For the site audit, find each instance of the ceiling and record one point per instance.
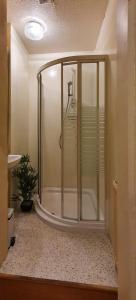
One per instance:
(73, 25)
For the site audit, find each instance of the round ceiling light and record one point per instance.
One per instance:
(34, 30)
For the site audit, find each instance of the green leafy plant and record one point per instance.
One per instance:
(27, 178)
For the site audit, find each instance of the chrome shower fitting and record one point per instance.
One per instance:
(70, 88)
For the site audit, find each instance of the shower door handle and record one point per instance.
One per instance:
(60, 141)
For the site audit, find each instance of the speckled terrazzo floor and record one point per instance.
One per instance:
(44, 252)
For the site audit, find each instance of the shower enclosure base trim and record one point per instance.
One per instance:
(51, 201)
(65, 224)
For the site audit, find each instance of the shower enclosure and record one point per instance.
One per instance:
(71, 140)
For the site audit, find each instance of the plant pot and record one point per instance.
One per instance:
(26, 205)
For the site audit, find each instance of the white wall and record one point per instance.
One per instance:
(107, 42)
(118, 35)
(19, 95)
(107, 39)
(126, 112)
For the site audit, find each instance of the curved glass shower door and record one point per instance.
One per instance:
(89, 136)
(69, 137)
(72, 138)
(50, 133)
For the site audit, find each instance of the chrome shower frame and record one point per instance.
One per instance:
(78, 60)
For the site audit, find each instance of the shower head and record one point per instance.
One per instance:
(70, 88)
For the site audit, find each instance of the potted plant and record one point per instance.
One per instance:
(27, 180)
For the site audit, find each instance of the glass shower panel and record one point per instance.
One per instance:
(70, 203)
(101, 141)
(50, 131)
(89, 142)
